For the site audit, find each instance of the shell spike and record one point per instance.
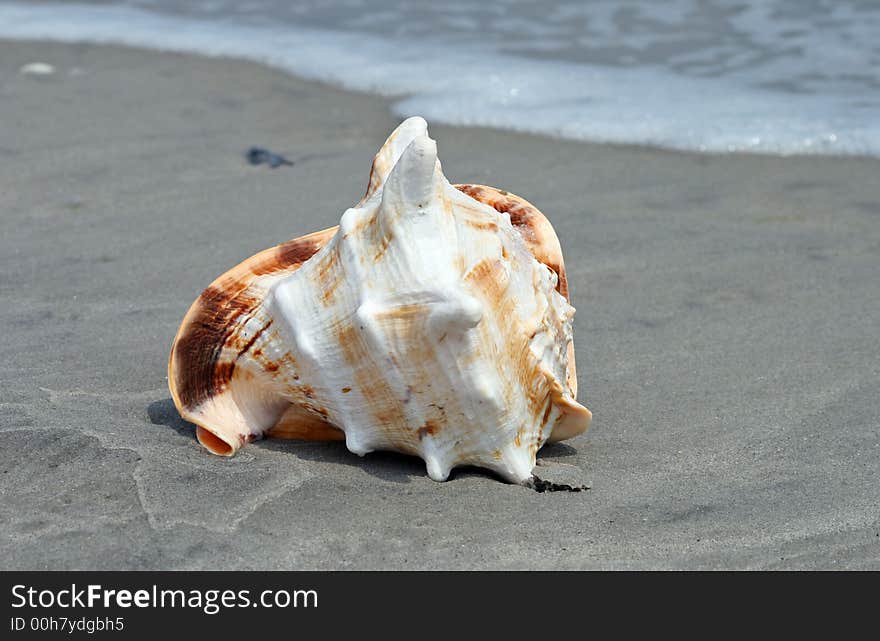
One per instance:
(356, 444)
(438, 470)
(413, 183)
(516, 464)
(389, 154)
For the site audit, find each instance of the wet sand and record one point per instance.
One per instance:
(728, 335)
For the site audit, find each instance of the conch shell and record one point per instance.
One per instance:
(434, 321)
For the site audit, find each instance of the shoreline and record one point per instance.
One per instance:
(303, 52)
(725, 337)
(388, 99)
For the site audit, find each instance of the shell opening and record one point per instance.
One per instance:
(214, 443)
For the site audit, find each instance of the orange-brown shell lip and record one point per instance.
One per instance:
(194, 372)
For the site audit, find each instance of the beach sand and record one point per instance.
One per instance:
(727, 334)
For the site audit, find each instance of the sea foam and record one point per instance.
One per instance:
(474, 81)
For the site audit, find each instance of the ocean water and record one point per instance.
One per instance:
(767, 76)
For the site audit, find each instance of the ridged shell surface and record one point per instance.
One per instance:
(433, 321)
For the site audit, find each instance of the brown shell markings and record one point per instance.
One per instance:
(204, 381)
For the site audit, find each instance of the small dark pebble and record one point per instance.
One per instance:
(258, 156)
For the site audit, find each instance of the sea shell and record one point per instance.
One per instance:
(434, 321)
